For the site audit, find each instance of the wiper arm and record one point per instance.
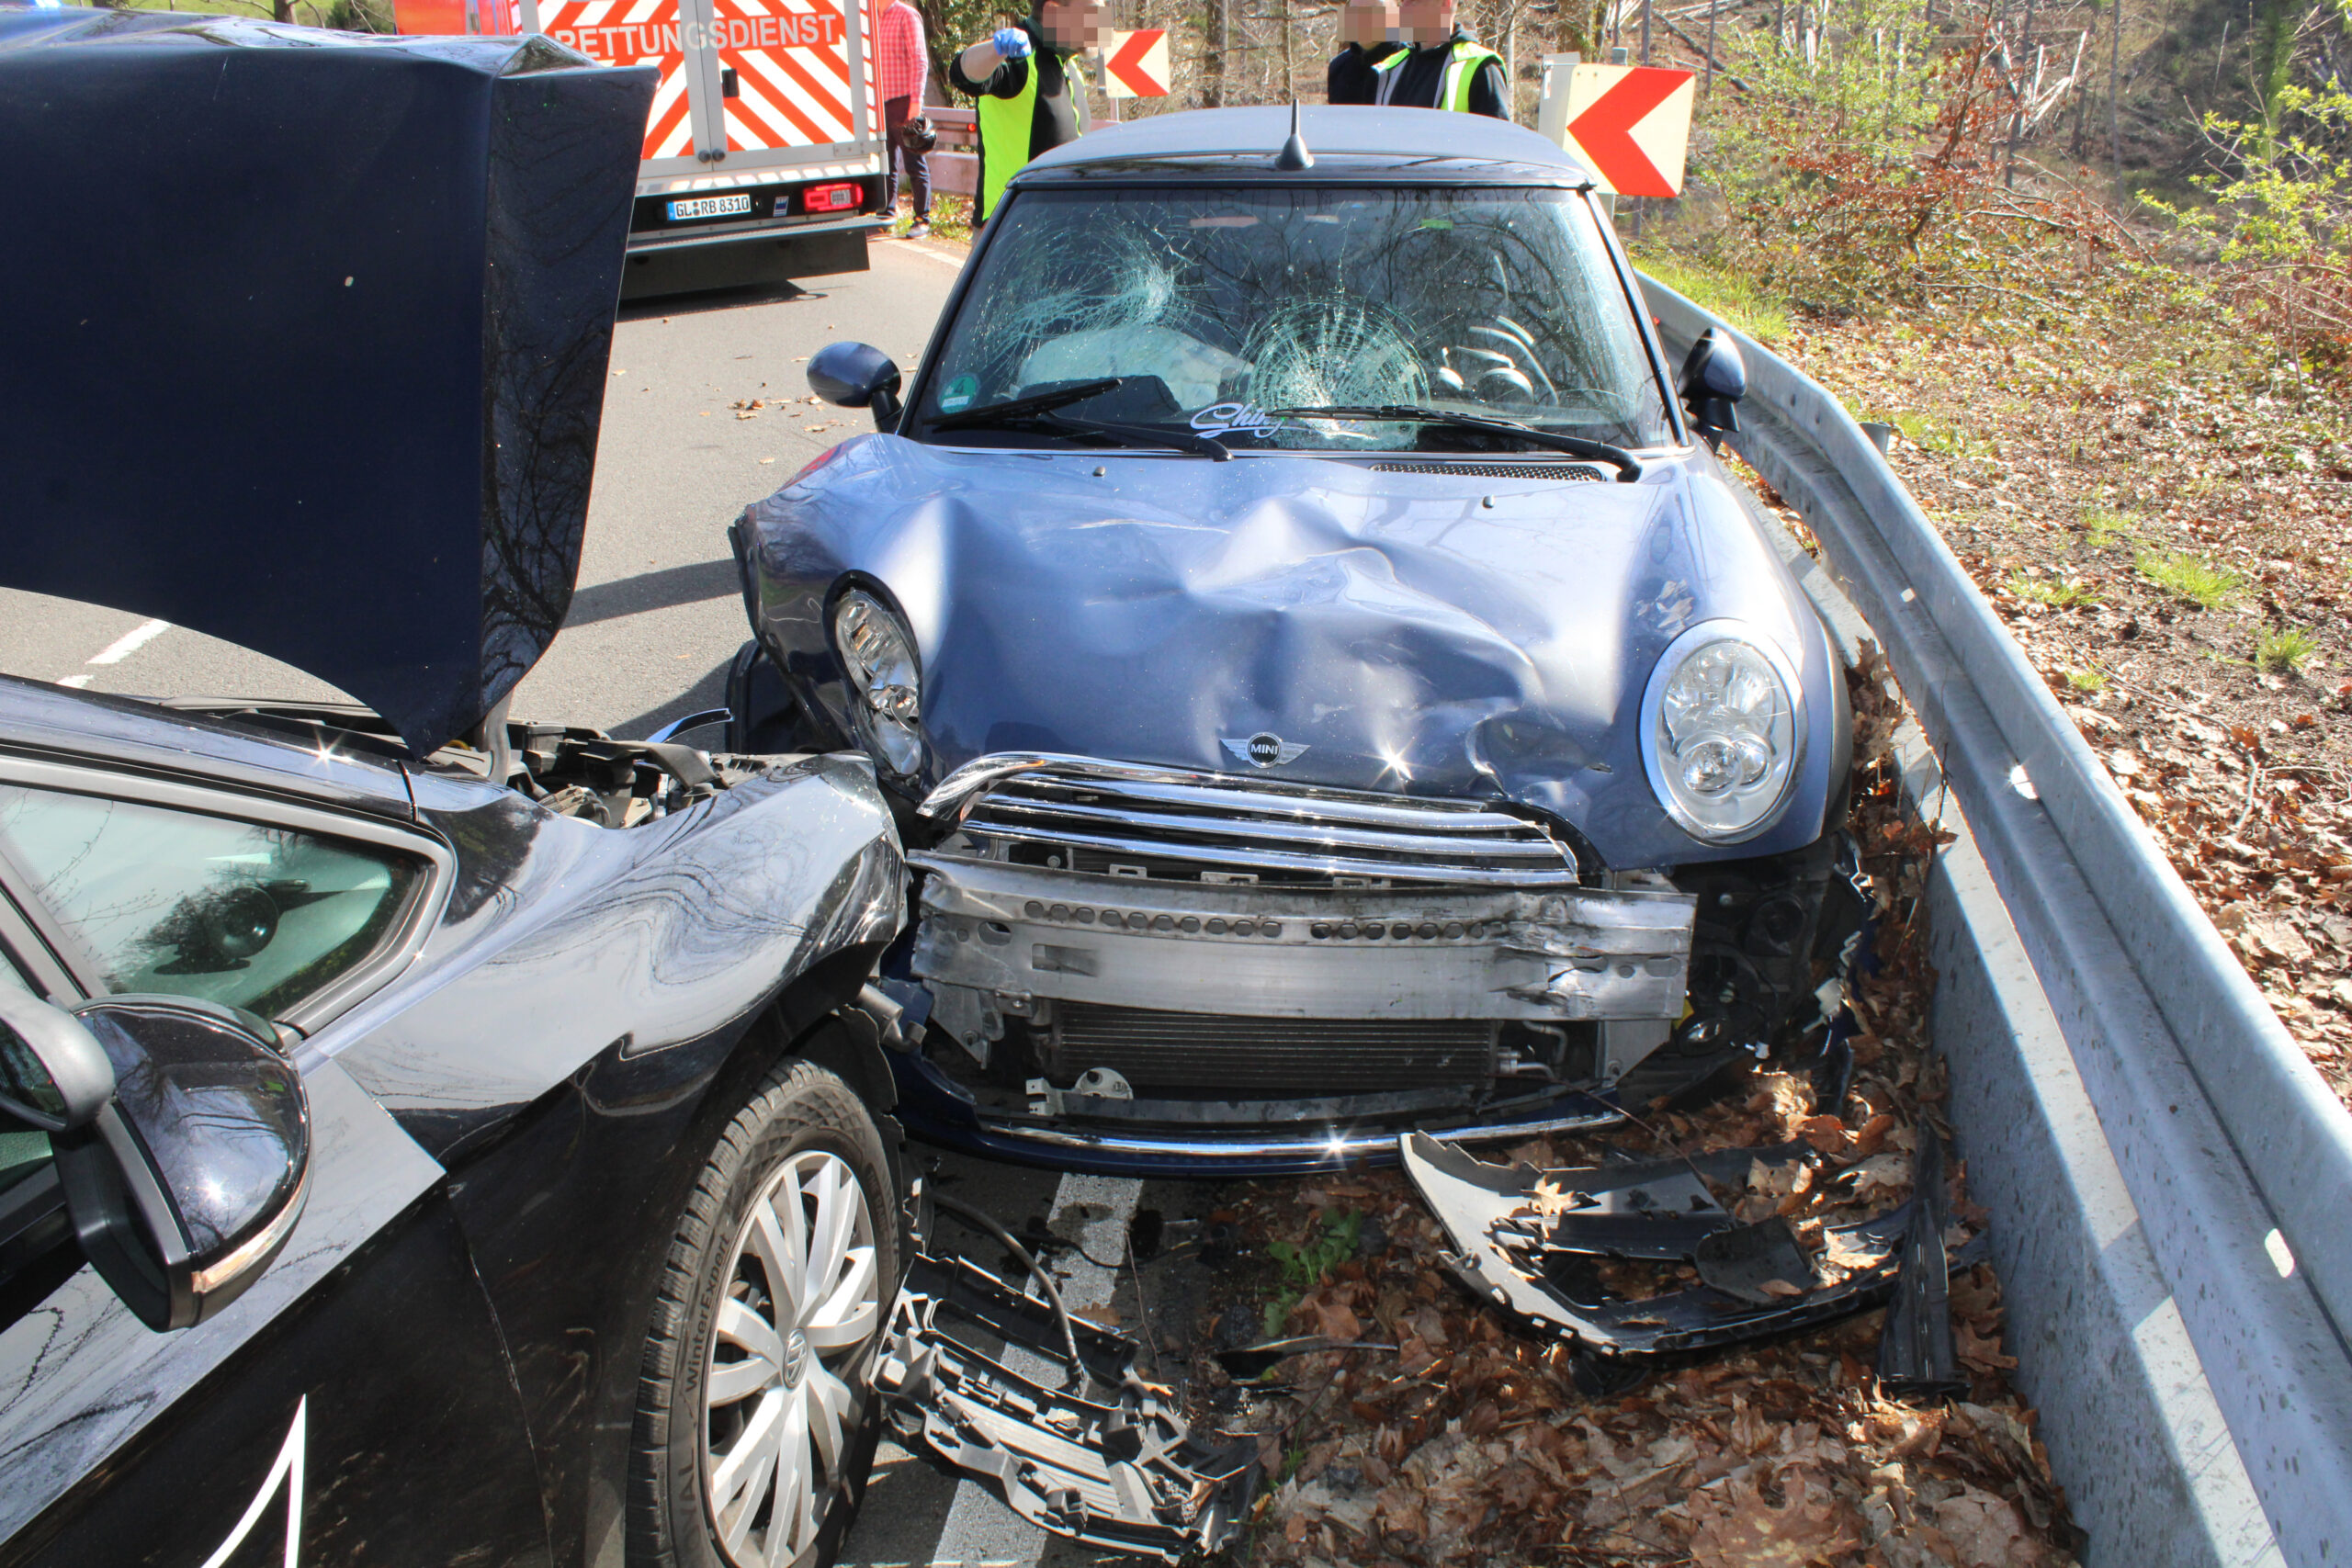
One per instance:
(1629, 468)
(1104, 430)
(1076, 392)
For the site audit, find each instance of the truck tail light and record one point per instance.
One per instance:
(830, 198)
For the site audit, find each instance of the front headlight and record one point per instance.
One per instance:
(1722, 729)
(886, 684)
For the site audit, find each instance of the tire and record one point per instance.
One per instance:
(702, 1493)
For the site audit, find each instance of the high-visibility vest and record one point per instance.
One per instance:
(1008, 132)
(1454, 88)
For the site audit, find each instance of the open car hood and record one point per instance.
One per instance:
(305, 347)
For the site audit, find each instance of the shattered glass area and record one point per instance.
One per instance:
(1496, 302)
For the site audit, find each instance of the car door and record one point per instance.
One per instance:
(356, 1404)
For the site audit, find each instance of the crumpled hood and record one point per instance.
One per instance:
(1429, 633)
(305, 336)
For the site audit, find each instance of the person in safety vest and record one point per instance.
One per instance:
(1368, 35)
(1022, 78)
(1446, 69)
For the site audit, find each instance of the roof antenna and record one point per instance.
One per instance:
(1294, 156)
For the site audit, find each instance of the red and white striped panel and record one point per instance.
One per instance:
(792, 72)
(632, 32)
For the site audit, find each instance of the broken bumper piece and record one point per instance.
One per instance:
(1529, 1240)
(1121, 1472)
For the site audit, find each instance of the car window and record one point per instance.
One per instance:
(160, 899)
(1212, 303)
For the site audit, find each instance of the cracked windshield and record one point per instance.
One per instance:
(1217, 311)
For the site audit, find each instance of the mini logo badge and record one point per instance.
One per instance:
(1265, 749)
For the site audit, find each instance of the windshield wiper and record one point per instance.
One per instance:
(1060, 397)
(1629, 468)
(1004, 415)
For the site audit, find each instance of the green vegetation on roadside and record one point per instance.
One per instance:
(2193, 578)
(2284, 650)
(1739, 299)
(1305, 1266)
(2059, 594)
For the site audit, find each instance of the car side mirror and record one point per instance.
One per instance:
(857, 376)
(185, 1172)
(1714, 378)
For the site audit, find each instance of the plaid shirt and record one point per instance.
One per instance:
(902, 66)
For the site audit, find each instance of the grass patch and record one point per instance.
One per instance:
(2284, 650)
(2087, 680)
(2104, 529)
(1930, 434)
(1307, 1266)
(2193, 578)
(1740, 300)
(951, 219)
(2058, 595)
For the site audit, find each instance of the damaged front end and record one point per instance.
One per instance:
(1124, 965)
(1085, 1448)
(1573, 1249)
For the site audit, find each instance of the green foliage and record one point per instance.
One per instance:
(1306, 1265)
(2192, 576)
(1738, 297)
(2286, 197)
(2058, 594)
(949, 28)
(2087, 680)
(2104, 529)
(2284, 650)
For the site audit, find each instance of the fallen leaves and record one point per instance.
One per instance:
(1473, 1443)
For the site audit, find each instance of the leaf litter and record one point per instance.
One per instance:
(1472, 1443)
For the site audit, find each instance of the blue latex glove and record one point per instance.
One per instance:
(1012, 43)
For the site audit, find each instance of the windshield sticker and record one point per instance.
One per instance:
(1226, 419)
(959, 394)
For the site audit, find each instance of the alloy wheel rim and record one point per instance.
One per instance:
(803, 1299)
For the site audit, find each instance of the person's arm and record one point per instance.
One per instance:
(922, 46)
(996, 67)
(1490, 91)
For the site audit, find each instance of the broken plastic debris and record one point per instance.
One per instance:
(1122, 1472)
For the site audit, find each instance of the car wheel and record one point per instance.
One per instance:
(755, 1417)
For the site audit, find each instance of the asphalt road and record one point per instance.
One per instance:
(655, 620)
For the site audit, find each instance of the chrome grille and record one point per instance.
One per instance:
(1236, 1057)
(1201, 828)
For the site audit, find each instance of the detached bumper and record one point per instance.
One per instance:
(1524, 1238)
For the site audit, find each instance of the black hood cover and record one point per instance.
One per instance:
(304, 338)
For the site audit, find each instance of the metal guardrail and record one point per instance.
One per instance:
(2237, 1155)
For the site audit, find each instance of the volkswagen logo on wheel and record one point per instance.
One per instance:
(1265, 749)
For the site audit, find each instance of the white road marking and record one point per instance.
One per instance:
(76, 681)
(979, 1530)
(129, 642)
(945, 257)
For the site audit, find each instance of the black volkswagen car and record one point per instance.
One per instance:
(424, 1138)
(1326, 681)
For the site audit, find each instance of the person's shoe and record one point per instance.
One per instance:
(921, 230)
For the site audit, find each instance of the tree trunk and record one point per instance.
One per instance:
(1213, 40)
(2114, 99)
(2274, 58)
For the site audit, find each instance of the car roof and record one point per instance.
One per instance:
(1349, 143)
(41, 720)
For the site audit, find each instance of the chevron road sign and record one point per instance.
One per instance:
(1136, 64)
(1631, 124)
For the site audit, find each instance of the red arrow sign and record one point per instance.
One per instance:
(1137, 63)
(1603, 132)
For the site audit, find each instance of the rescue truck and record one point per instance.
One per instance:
(763, 155)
